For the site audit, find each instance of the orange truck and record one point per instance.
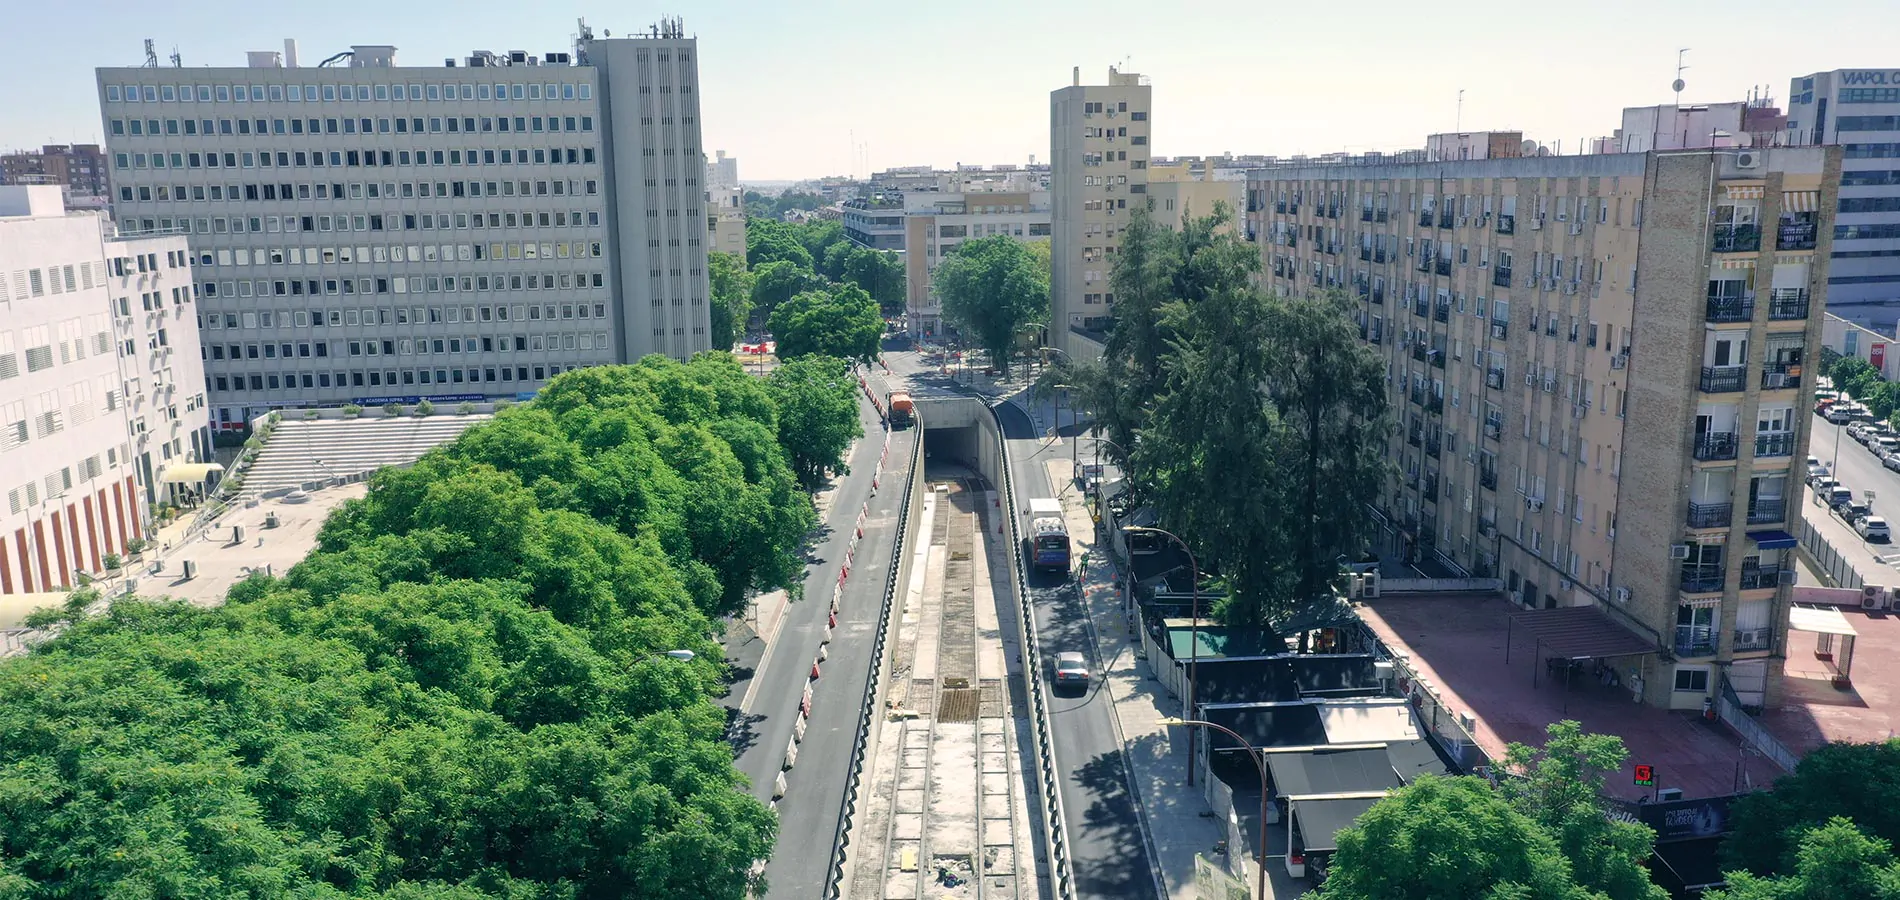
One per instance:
(901, 408)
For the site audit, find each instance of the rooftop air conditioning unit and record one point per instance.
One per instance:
(1679, 551)
(1747, 160)
(1873, 596)
(1668, 795)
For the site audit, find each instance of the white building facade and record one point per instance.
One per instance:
(1860, 110)
(366, 232)
(1098, 154)
(102, 401)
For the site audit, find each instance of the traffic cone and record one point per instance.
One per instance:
(814, 670)
(824, 652)
(832, 622)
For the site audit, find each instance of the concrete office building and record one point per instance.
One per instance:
(102, 402)
(1098, 156)
(80, 168)
(1589, 434)
(365, 231)
(723, 171)
(875, 222)
(1859, 109)
(936, 223)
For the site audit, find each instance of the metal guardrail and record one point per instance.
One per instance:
(1054, 835)
(1729, 707)
(870, 715)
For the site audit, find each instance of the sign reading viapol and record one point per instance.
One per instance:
(1871, 77)
(1646, 776)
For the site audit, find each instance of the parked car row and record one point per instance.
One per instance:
(1842, 501)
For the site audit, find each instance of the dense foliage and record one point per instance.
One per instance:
(461, 693)
(759, 206)
(1258, 423)
(817, 414)
(1559, 787)
(789, 259)
(1835, 860)
(1860, 782)
(840, 321)
(1863, 382)
(731, 297)
(991, 288)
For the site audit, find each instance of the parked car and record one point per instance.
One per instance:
(1891, 461)
(1823, 484)
(1817, 469)
(1071, 669)
(1854, 511)
(1874, 530)
(1885, 444)
(1839, 496)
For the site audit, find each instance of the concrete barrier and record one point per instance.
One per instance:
(1441, 585)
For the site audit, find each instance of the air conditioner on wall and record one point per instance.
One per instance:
(1536, 504)
(1679, 551)
(1751, 636)
(1622, 595)
(1747, 160)
(1777, 380)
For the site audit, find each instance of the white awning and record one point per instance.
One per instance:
(1743, 191)
(1800, 201)
(1738, 262)
(188, 473)
(1818, 619)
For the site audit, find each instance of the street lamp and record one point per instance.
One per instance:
(1194, 630)
(681, 655)
(1259, 764)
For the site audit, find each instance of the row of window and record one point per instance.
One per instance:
(412, 125)
(377, 222)
(411, 284)
(1869, 95)
(340, 93)
(1888, 231)
(399, 315)
(282, 159)
(381, 378)
(1869, 177)
(1870, 151)
(1867, 123)
(519, 343)
(179, 193)
(396, 253)
(1870, 204)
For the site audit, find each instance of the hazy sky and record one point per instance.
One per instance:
(816, 87)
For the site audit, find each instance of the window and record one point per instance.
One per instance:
(1692, 678)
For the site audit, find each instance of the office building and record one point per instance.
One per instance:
(875, 222)
(1599, 369)
(102, 401)
(1859, 109)
(80, 168)
(1098, 155)
(365, 231)
(723, 171)
(935, 224)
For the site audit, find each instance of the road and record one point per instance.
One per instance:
(761, 730)
(1858, 469)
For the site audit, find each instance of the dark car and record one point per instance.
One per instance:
(1071, 670)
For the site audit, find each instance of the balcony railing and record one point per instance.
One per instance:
(1701, 578)
(1501, 276)
(1795, 236)
(1736, 239)
(1444, 266)
(1435, 404)
(1418, 397)
(1365, 215)
(1378, 255)
(1438, 357)
(1432, 449)
(1767, 511)
(1422, 308)
(1279, 206)
(1507, 224)
(1493, 430)
(1380, 215)
(1785, 304)
(1442, 312)
(1445, 218)
(1494, 379)
(1724, 379)
(1431, 489)
(1780, 376)
(1365, 254)
(1731, 309)
(1424, 264)
(1710, 515)
(1425, 219)
(1775, 443)
(1488, 478)
(1754, 638)
(1715, 445)
(1415, 438)
(1696, 640)
(1418, 352)
(1378, 295)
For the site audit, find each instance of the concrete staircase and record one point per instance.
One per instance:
(301, 451)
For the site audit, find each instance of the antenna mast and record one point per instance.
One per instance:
(151, 55)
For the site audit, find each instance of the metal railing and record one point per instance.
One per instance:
(1755, 578)
(1786, 304)
(1766, 512)
(1709, 515)
(1695, 640)
(1723, 379)
(1736, 239)
(1701, 578)
(1715, 445)
(1501, 276)
(1775, 443)
(1730, 309)
(1729, 707)
(1795, 236)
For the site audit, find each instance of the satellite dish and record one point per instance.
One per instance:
(1678, 85)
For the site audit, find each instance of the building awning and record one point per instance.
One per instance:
(1332, 771)
(1800, 201)
(1322, 819)
(1818, 619)
(1743, 191)
(1772, 539)
(1738, 262)
(1580, 632)
(188, 473)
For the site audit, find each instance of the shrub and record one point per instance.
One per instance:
(392, 410)
(465, 409)
(351, 410)
(311, 414)
(137, 545)
(425, 408)
(113, 561)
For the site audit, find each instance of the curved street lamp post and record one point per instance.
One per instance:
(1260, 766)
(1194, 630)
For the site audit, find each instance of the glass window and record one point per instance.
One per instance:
(112, 93)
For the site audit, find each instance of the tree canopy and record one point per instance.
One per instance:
(1860, 782)
(817, 413)
(880, 273)
(780, 280)
(759, 206)
(842, 321)
(992, 287)
(1834, 860)
(1558, 787)
(463, 692)
(731, 297)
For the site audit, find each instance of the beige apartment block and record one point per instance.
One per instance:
(1098, 142)
(1178, 190)
(936, 223)
(1598, 366)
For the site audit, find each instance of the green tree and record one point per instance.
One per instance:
(1558, 788)
(1121, 393)
(778, 281)
(841, 322)
(768, 242)
(1446, 838)
(817, 414)
(818, 237)
(880, 273)
(731, 297)
(1858, 781)
(992, 287)
(1832, 861)
(1855, 376)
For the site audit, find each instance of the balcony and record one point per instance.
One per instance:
(1441, 312)
(1432, 449)
(1378, 295)
(1438, 357)
(1488, 479)
(1293, 209)
(1494, 379)
(1787, 304)
(1780, 376)
(1418, 352)
(1445, 219)
(1380, 215)
(1507, 224)
(1500, 330)
(1431, 488)
(1378, 255)
(1736, 239)
(1444, 266)
(1731, 309)
(1425, 219)
(1418, 396)
(1424, 264)
(1422, 308)
(1435, 404)
(1710, 515)
(1376, 337)
(1365, 254)
(1365, 214)
(1715, 446)
(1501, 276)
(1752, 639)
(1775, 443)
(1765, 511)
(1416, 438)
(1696, 640)
(1493, 430)
(1723, 379)
(1279, 206)
(1795, 236)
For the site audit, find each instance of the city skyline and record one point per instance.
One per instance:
(864, 79)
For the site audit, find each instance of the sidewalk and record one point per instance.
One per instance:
(1176, 818)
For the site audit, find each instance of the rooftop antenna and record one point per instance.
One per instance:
(1460, 123)
(151, 55)
(178, 62)
(1679, 84)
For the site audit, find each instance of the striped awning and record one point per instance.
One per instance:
(1800, 201)
(1794, 258)
(1738, 262)
(1743, 191)
(188, 473)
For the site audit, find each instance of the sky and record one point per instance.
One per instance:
(833, 87)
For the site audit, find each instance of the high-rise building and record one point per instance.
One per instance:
(936, 223)
(80, 168)
(723, 172)
(1098, 154)
(1859, 109)
(365, 231)
(102, 401)
(1599, 368)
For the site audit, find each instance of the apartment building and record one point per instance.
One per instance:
(1181, 189)
(80, 168)
(935, 223)
(1098, 155)
(876, 222)
(364, 231)
(1598, 369)
(102, 402)
(725, 220)
(1859, 109)
(722, 172)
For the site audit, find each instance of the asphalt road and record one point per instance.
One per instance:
(1108, 855)
(1858, 468)
(809, 812)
